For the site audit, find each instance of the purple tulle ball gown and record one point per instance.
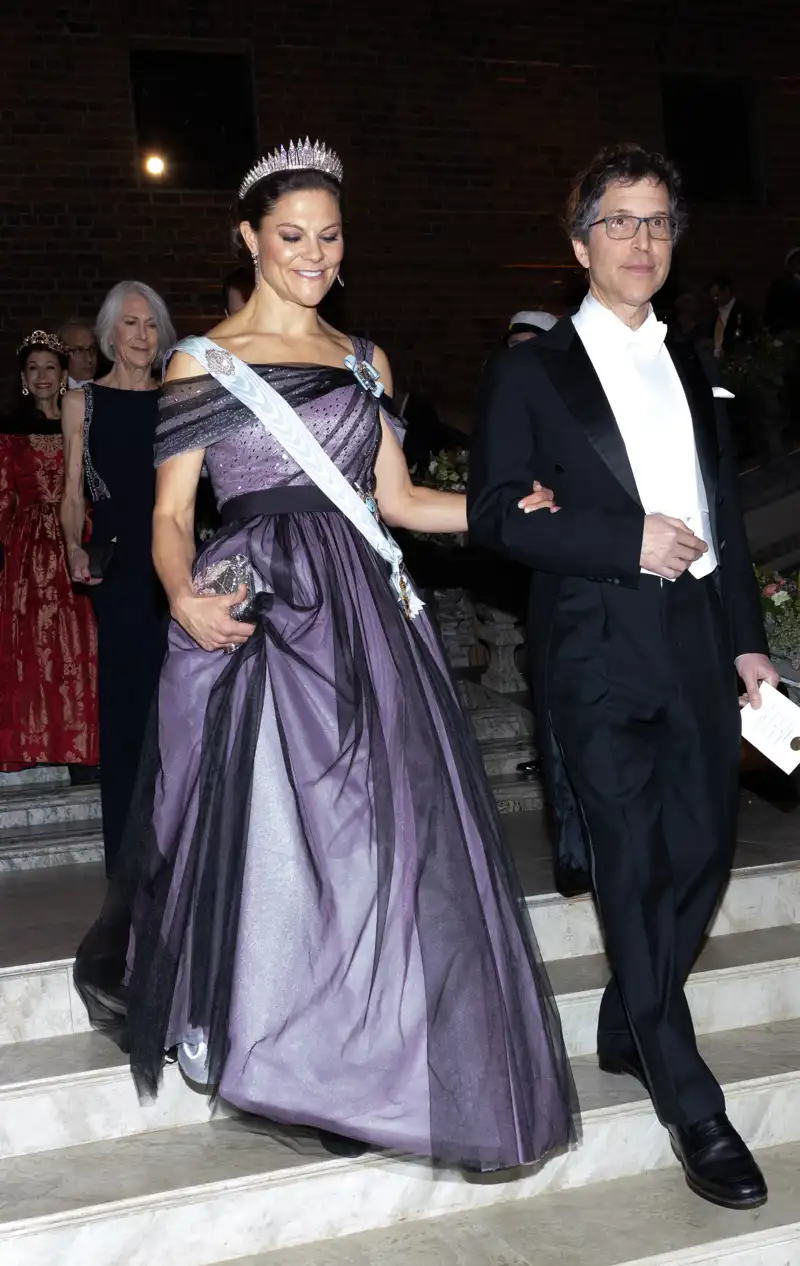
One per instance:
(322, 914)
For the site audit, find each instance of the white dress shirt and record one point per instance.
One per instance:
(648, 401)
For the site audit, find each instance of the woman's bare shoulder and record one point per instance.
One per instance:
(381, 362)
(182, 365)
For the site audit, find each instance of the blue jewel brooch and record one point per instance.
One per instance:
(369, 501)
(366, 375)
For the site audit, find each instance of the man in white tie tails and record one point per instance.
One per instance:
(643, 608)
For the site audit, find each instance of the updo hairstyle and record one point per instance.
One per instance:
(262, 198)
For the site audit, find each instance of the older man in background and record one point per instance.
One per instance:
(81, 344)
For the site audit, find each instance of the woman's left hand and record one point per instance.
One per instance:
(540, 499)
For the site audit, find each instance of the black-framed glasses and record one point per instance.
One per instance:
(623, 227)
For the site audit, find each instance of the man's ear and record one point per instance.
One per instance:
(581, 253)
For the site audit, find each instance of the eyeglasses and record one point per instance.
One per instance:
(623, 227)
(91, 350)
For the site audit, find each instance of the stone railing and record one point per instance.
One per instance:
(476, 635)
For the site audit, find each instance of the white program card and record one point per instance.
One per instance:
(774, 728)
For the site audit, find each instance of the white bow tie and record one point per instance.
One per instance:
(648, 341)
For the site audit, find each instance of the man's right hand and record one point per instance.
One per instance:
(669, 546)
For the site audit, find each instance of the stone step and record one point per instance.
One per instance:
(511, 713)
(501, 756)
(42, 805)
(517, 793)
(59, 844)
(499, 723)
(740, 980)
(756, 897)
(62, 1091)
(44, 914)
(38, 775)
(652, 1220)
(76, 1088)
(216, 1192)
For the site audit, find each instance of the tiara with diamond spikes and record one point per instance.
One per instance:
(41, 339)
(300, 157)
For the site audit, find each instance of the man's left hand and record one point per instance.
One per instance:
(754, 668)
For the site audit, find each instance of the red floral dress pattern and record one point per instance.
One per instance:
(48, 637)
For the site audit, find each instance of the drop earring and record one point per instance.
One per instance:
(340, 280)
(62, 391)
(256, 267)
(25, 391)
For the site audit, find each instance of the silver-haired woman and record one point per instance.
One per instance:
(109, 428)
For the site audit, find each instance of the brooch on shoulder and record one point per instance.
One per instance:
(220, 361)
(366, 375)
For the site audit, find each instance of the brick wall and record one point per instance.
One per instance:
(460, 125)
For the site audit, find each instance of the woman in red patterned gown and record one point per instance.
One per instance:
(48, 639)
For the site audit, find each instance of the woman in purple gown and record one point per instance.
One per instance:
(326, 921)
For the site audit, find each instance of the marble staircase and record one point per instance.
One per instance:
(44, 821)
(642, 1221)
(90, 1176)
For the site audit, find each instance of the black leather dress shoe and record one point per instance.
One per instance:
(340, 1145)
(622, 1065)
(506, 1173)
(718, 1164)
(530, 767)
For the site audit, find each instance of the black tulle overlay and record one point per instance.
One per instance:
(322, 908)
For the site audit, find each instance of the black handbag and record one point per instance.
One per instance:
(100, 554)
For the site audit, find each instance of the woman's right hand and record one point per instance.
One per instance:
(79, 570)
(540, 499)
(207, 619)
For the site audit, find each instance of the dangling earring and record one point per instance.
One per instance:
(340, 279)
(62, 391)
(256, 267)
(25, 391)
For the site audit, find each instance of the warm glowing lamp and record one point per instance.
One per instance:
(154, 165)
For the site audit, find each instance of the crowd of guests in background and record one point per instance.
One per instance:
(82, 618)
(48, 639)
(723, 322)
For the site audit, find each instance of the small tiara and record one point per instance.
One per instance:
(40, 339)
(300, 157)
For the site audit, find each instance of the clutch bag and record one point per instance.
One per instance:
(100, 554)
(225, 577)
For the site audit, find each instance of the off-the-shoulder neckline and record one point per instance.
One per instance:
(267, 364)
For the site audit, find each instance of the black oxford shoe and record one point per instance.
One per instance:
(530, 767)
(340, 1145)
(718, 1164)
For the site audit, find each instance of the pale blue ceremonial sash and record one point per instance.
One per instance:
(281, 421)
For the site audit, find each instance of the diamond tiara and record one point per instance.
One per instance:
(41, 339)
(300, 157)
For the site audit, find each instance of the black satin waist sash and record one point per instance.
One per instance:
(291, 500)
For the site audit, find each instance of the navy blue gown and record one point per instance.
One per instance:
(119, 432)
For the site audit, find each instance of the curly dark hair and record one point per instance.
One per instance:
(624, 164)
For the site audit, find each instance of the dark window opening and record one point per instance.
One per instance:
(710, 132)
(194, 112)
